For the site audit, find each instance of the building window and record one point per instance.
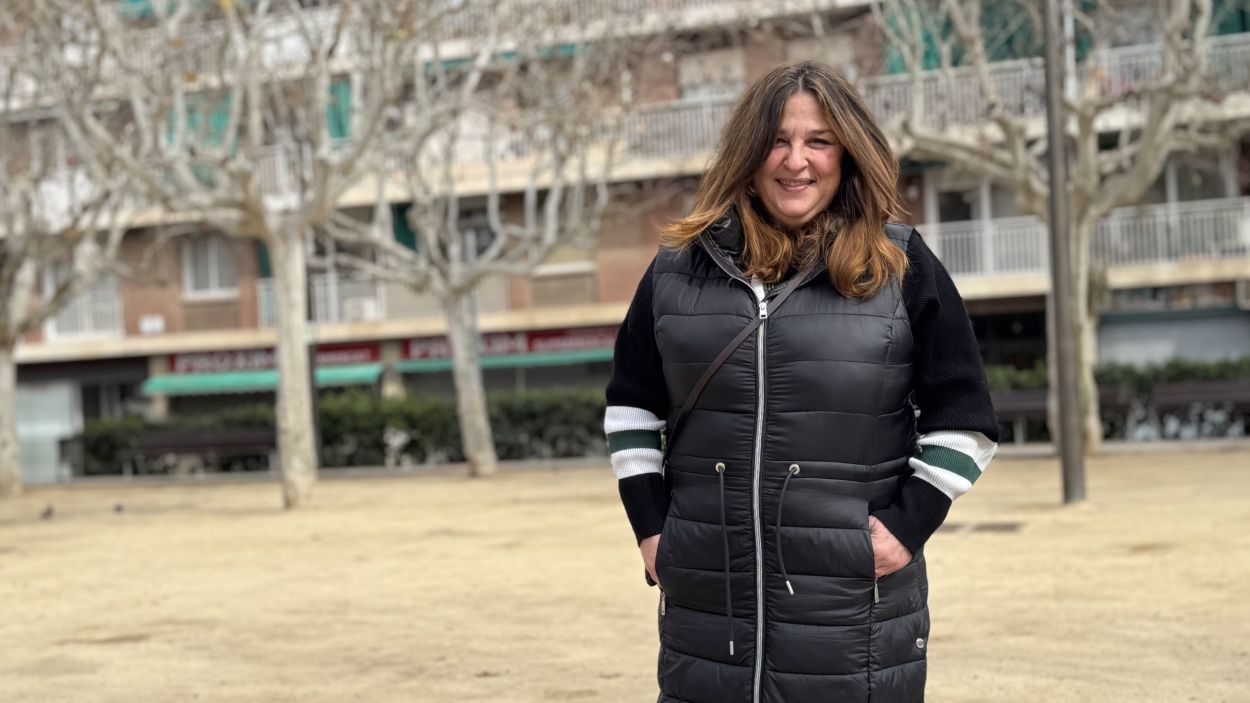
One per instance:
(209, 269)
(1201, 296)
(1187, 177)
(953, 198)
(712, 74)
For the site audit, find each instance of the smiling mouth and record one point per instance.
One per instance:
(794, 184)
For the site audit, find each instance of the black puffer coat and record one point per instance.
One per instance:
(804, 431)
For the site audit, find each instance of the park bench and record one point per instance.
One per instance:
(1019, 407)
(184, 451)
(1183, 394)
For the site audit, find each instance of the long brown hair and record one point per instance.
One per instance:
(850, 234)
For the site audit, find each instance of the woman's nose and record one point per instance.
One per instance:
(796, 158)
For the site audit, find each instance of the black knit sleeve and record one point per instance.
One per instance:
(637, 385)
(951, 392)
(637, 374)
(949, 376)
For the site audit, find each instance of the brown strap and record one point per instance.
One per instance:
(723, 356)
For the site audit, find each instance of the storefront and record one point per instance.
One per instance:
(1202, 322)
(208, 381)
(513, 361)
(55, 399)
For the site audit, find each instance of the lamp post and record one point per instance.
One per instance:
(1071, 443)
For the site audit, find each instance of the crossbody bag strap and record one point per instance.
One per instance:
(693, 397)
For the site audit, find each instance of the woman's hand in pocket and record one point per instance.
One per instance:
(888, 554)
(648, 547)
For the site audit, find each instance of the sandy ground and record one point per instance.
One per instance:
(526, 587)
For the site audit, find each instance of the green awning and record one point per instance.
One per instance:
(255, 381)
(348, 375)
(508, 361)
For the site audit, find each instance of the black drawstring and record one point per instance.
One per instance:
(781, 561)
(724, 533)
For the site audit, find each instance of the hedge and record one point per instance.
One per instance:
(1141, 380)
(354, 424)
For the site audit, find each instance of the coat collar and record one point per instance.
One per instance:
(726, 234)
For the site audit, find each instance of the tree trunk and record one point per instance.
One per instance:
(297, 451)
(1085, 327)
(1053, 425)
(10, 468)
(1086, 331)
(475, 434)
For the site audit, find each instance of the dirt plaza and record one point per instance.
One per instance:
(527, 587)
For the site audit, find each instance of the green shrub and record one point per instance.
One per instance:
(258, 415)
(433, 431)
(1140, 381)
(548, 424)
(106, 444)
(1010, 378)
(533, 424)
(350, 429)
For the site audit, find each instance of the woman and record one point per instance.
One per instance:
(808, 468)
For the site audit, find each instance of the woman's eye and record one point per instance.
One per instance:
(781, 140)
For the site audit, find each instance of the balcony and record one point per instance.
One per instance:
(686, 129)
(1195, 231)
(690, 129)
(332, 298)
(94, 314)
(285, 46)
(647, 15)
(947, 99)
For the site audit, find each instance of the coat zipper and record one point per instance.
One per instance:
(716, 255)
(755, 499)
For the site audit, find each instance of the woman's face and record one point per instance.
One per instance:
(802, 171)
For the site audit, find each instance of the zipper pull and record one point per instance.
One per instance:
(763, 309)
(663, 606)
(876, 594)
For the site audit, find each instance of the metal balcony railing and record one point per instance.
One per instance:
(332, 298)
(94, 313)
(1201, 230)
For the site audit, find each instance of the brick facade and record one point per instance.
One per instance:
(159, 290)
(657, 80)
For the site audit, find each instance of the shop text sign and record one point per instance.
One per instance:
(504, 343)
(261, 359)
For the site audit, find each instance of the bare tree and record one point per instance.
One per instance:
(236, 114)
(964, 109)
(59, 223)
(257, 118)
(518, 162)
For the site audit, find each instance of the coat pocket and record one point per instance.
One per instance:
(869, 555)
(661, 549)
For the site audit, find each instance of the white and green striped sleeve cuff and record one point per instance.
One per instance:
(634, 441)
(951, 461)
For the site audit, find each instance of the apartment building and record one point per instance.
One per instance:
(194, 332)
